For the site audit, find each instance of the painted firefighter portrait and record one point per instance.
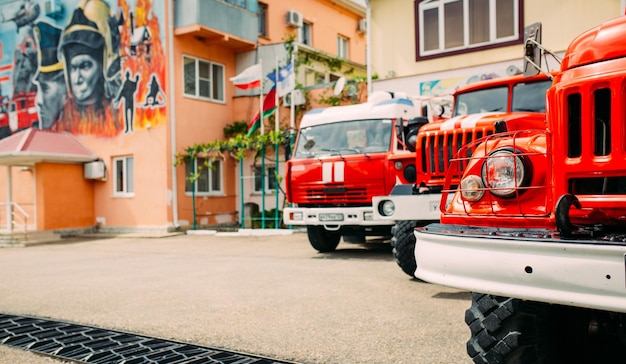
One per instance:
(69, 62)
(88, 55)
(50, 78)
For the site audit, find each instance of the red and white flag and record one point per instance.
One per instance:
(248, 79)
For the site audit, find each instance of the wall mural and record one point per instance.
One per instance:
(83, 66)
(437, 92)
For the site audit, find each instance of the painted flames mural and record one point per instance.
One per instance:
(83, 66)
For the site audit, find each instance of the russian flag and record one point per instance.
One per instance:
(248, 79)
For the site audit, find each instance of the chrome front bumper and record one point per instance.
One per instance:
(586, 273)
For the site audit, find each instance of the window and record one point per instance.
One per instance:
(203, 79)
(263, 20)
(123, 170)
(342, 47)
(239, 3)
(313, 77)
(209, 176)
(454, 26)
(270, 179)
(305, 34)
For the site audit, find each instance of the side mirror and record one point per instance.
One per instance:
(532, 49)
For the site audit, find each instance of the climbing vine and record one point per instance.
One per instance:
(236, 146)
(237, 143)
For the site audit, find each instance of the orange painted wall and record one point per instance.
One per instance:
(151, 201)
(328, 20)
(199, 122)
(23, 193)
(64, 197)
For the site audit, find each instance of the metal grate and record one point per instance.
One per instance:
(438, 148)
(338, 194)
(87, 344)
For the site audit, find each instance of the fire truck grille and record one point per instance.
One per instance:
(438, 148)
(337, 194)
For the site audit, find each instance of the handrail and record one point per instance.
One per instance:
(15, 218)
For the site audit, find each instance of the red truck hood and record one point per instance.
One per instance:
(351, 180)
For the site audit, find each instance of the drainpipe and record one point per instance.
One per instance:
(172, 113)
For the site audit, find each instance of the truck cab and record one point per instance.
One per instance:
(343, 156)
(477, 109)
(535, 227)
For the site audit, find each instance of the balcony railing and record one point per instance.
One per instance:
(218, 22)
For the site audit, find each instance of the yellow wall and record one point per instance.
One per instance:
(393, 34)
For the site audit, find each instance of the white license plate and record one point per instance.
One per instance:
(328, 216)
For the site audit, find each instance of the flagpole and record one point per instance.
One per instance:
(276, 127)
(292, 118)
(277, 117)
(262, 121)
(261, 100)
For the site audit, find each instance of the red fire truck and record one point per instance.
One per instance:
(536, 228)
(477, 109)
(17, 113)
(345, 155)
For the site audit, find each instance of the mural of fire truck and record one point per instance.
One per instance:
(17, 113)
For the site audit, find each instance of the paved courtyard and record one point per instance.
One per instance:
(271, 295)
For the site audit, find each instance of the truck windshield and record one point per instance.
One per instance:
(527, 96)
(487, 100)
(345, 137)
(530, 96)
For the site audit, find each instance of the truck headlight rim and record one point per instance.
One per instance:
(386, 208)
(505, 172)
(472, 188)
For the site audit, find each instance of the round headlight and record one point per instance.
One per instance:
(386, 208)
(410, 174)
(398, 165)
(504, 172)
(472, 188)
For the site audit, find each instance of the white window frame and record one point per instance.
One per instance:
(211, 80)
(263, 19)
(493, 39)
(306, 38)
(125, 187)
(270, 171)
(343, 47)
(211, 174)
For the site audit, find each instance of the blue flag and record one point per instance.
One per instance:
(286, 80)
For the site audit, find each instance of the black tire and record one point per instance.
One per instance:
(403, 244)
(512, 331)
(323, 240)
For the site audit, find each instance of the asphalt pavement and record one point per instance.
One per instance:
(269, 295)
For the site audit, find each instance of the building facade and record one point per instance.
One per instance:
(99, 97)
(430, 47)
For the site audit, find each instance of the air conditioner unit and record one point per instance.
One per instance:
(297, 96)
(294, 19)
(94, 170)
(362, 27)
